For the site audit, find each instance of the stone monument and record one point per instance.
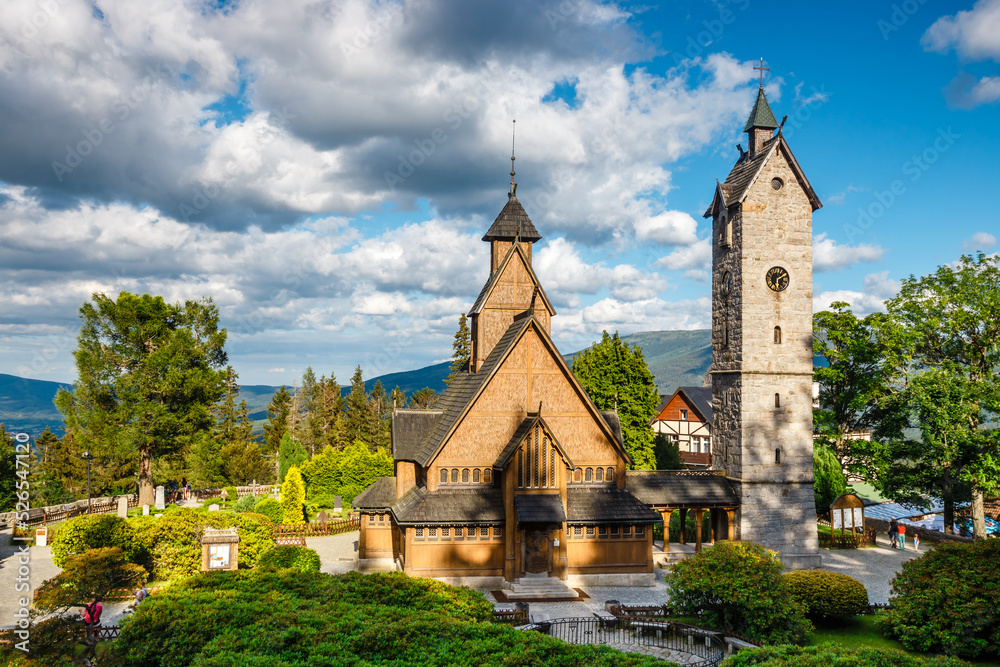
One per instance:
(123, 507)
(160, 502)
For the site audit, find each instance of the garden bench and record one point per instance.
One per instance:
(658, 626)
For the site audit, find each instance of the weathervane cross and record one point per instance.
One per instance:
(762, 70)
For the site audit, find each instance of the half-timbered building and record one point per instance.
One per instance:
(685, 419)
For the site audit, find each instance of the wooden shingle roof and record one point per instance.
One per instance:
(494, 279)
(521, 433)
(409, 430)
(512, 219)
(606, 505)
(418, 506)
(669, 489)
(379, 496)
(539, 508)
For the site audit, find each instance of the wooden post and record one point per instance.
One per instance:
(666, 529)
(683, 524)
(731, 515)
(697, 529)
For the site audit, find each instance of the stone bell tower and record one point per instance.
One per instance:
(762, 340)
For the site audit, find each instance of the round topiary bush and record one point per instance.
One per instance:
(947, 601)
(738, 587)
(270, 508)
(96, 531)
(276, 558)
(827, 594)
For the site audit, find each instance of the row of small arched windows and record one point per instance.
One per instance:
(594, 475)
(466, 476)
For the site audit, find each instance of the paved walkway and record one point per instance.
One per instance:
(337, 553)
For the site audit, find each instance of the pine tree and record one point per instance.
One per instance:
(358, 417)
(57, 470)
(7, 470)
(397, 400)
(461, 348)
(291, 453)
(278, 411)
(423, 399)
(326, 414)
(381, 414)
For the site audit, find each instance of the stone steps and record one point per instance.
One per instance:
(539, 588)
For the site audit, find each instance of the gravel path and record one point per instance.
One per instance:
(337, 553)
(875, 567)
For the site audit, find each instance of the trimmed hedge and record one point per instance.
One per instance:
(272, 509)
(948, 601)
(826, 594)
(174, 538)
(738, 587)
(276, 558)
(97, 531)
(296, 619)
(827, 655)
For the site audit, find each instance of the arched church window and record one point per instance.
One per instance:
(589, 475)
(610, 475)
(777, 335)
(578, 475)
(454, 475)
(476, 476)
(444, 475)
(599, 475)
(465, 475)
(488, 476)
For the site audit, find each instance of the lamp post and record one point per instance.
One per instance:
(88, 457)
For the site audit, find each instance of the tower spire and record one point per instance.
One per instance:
(513, 185)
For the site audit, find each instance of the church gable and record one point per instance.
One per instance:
(532, 377)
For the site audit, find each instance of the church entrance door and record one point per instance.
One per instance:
(536, 550)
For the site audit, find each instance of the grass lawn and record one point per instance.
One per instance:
(860, 631)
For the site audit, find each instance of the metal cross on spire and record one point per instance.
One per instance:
(762, 70)
(512, 131)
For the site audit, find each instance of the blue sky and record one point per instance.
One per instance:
(324, 170)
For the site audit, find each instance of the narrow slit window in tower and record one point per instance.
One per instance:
(777, 400)
(777, 335)
(777, 455)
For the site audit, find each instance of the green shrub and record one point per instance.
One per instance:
(270, 508)
(947, 601)
(293, 496)
(296, 619)
(282, 557)
(231, 495)
(826, 594)
(344, 473)
(738, 587)
(828, 655)
(175, 539)
(96, 531)
(245, 504)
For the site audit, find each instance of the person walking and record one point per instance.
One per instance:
(916, 542)
(893, 532)
(902, 537)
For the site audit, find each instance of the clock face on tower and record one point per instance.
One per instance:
(776, 278)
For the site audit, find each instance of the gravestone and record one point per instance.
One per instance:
(145, 510)
(336, 505)
(213, 508)
(160, 502)
(123, 507)
(323, 518)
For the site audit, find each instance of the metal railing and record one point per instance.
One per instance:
(626, 633)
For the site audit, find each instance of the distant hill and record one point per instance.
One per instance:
(676, 358)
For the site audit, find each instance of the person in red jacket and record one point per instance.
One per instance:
(902, 537)
(93, 611)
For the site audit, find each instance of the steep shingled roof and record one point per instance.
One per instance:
(409, 430)
(418, 506)
(539, 508)
(512, 216)
(699, 398)
(495, 277)
(761, 115)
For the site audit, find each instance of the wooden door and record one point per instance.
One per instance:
(536, 550)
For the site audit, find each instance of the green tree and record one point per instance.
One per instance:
(955, 316)
(397, 399)
(8, 466)
(358, 417)
(291, 453)
(423, 399)
(668, 454)
(293, 496)
(946, 460)
(204, 462)
(868, 360)
(829, 481)
(148, 374)
(461, 348)
(381, 416)
(616, 377)
(243, 463)
(58, 471)
(278, 411)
